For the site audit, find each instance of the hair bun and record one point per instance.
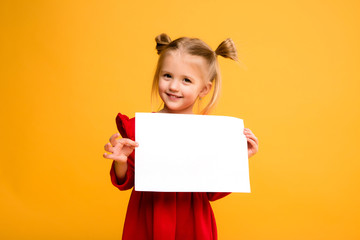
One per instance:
(227, 49)
(162, 41)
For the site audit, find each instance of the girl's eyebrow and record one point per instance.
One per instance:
(185, 76)
(163, 71)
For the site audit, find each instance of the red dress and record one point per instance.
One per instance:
(163, 215)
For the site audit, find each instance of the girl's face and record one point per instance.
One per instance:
(182, 79)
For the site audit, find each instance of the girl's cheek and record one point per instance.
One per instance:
(161, 84)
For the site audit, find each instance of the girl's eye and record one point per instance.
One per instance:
(166, 75)
(187, 80)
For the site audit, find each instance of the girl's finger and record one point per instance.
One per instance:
(112, 139)
(128, 142)
(253, 145)
(110, 156)
(108, 147)
(252, 136)
(121, 158)
(247, 131)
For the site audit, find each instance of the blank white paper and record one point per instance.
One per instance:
(190, 153)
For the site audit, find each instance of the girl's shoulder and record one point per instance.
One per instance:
(125, 125)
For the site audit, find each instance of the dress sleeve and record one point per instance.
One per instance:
(126, 128)
(213, 196)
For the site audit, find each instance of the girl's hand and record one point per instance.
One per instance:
(252, 142)
(120, 148)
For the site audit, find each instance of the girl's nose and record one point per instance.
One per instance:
(174, 85)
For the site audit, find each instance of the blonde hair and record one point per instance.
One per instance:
(196, 47)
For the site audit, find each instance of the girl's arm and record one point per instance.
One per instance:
(253, 142)
(120, 149)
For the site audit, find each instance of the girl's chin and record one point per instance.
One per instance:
(173, 109)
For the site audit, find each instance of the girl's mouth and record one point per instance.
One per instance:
(172, 96)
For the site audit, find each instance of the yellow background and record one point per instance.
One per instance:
(68, 67)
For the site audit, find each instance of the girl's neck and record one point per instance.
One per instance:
(166, 110)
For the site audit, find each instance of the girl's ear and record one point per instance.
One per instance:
(206, 89)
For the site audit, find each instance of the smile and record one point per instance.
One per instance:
(172, 96)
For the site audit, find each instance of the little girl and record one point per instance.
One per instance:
(187, 70)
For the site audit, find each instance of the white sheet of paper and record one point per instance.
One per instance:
(190, 153)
